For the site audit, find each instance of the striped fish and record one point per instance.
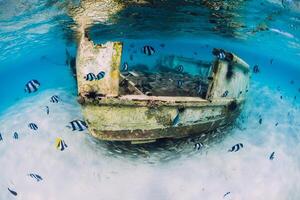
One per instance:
(33, 126)
(125, 66)
(54, 99)
(176, 120)
(100, 75)
(236, 147)
(78, 125)
(1, 137)
(256, 69)
(179, 83)
(60, 144)
(179, 68)
(221, 55)
(47, 110)
(36, 177)
(198, 145)
(12, 192)
(148, 50)
(16, 135)
(225, 94)
(90, 77)
(32, 86)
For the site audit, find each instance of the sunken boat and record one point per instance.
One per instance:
(141, 105)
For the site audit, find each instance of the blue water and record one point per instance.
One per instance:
(34, 36)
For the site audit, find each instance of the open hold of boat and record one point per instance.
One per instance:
(141, 105)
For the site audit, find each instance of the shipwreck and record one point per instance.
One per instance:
(143, 106)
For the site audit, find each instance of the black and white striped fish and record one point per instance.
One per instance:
(1, 137)
(256, 69)
(179, 83)
(36, 177)
(198, 145)
(236, 147)
(100, 75)
(32, 86)
(90, 77)
(179, 68)
(221, 55)
(33, 126)
(60, 144)
(272, 156)
(12, 192)
(54, 99)
(225, 94)
(16, 135)
(77, 125)
(148, 50)
(125, 67)
(47, 110)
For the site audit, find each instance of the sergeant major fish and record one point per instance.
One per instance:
(77, 125)
(198, 145)
(33, 126)
(100, 75)
(36, 177)
(32, 86)
(60, 144)
(90, 77)
(236, 147)
(148, 50)
(54, 99)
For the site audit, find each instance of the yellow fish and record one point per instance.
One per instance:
(60, 144)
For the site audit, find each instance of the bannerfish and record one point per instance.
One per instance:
(198, 146)
(148, 50)
(33, 126)
(47, 110)
(272, 156)
(180, 68)
(36, 177)
(236, 147)
(227, 193)
(90, 77)
(16, 135)
(54, 99)
(256, 69)
(32, 86)
(1, 137)
(125, 66)
(12, 192)
(179, 83)
(225, 94)
(78, 125)
(60, 144)
(100, 75)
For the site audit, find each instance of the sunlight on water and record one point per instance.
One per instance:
(35, 37)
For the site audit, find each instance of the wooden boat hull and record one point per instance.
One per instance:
(137, 123)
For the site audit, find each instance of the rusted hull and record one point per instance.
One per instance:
(122, 123)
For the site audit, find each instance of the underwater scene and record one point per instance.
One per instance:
(150, 99)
